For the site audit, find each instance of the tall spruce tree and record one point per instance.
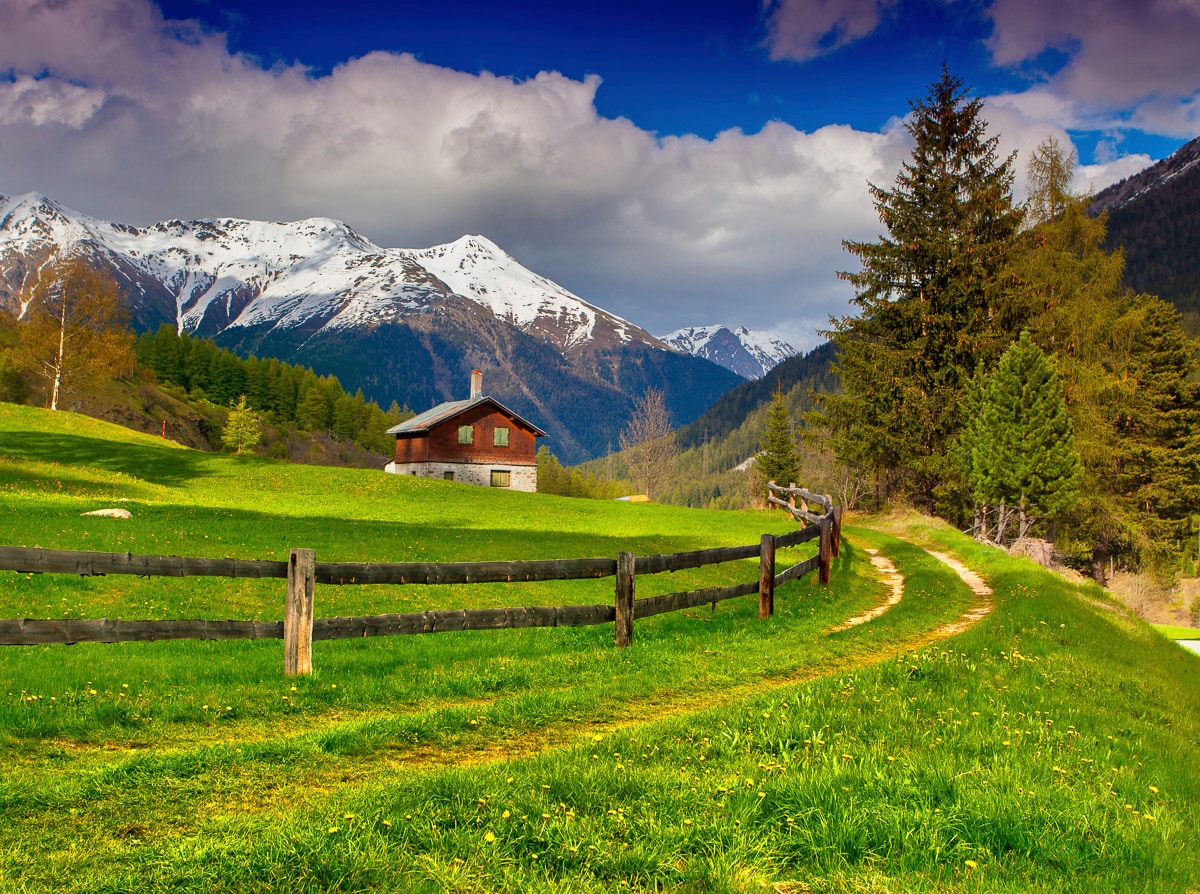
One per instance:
(924, 295)
(777, 459)
(1020, 443)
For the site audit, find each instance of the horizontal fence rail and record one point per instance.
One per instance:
(673, 602)
(299, 628)
(87, 564)
(463, 619)
(36, 632)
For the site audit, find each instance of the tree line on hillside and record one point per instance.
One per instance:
(998, 373)
(283, 393)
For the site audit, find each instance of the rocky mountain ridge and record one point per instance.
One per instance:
(748, 353)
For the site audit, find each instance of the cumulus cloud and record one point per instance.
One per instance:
(117, 112)
(804, 29)
(1132, 62)
(1022, 121)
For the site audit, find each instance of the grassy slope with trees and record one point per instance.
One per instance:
(1053, 746)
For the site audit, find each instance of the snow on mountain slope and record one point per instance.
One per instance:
(476, 267)
(748, 353)
(308, 274)
(1150, 180)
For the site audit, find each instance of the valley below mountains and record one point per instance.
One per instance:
(400, 324)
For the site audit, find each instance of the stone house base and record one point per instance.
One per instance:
(520, 477)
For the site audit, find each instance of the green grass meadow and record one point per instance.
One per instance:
(1053, 746)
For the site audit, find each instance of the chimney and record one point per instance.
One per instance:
(476, 383)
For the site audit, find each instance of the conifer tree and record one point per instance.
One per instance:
(923, 298)
(242, 430)
(1020, 442)
(1129, 371)
(1048, 175)
(777, 459)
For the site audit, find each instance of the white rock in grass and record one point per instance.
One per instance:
(110, 513)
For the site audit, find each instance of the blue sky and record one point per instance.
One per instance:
(679, 163)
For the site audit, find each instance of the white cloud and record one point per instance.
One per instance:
(1024, 120)
(804, 29)
(119, 113)
(1135, 58)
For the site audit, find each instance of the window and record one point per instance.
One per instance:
(448, 475)
(499, 477)
(500, 436)
(466, 434)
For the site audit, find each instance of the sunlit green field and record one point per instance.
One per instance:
(1053, 746)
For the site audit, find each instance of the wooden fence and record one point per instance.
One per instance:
(299, 628)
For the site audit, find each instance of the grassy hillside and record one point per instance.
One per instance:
(1052, 746)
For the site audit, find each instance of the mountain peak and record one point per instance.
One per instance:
(746, 352)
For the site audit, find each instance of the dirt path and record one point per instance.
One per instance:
(978, 587)
(890, 575)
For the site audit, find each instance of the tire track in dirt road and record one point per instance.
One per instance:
(977, 586)
(888, 574)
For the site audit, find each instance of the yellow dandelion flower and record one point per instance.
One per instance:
(971, 864)
(489, 837)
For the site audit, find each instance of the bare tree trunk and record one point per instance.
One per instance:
(1100, 558)
(1003, 515)
(1025, 521)
(58, 358)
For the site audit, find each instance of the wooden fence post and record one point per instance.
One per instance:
(766, 576)
(837, 531)
(623, 635)
(298, 613)
(823, 551)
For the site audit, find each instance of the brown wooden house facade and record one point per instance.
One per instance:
(475, 441)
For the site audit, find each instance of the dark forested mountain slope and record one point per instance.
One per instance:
(732, 408)
(1155, 217)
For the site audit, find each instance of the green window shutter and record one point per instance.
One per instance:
(466, 434)
(500, 436)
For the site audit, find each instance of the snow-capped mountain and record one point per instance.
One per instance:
(309, 274)
(748, 353)
(402, 324)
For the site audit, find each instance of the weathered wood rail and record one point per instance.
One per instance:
(300, 629)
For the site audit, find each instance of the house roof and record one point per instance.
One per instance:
(451, 408)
